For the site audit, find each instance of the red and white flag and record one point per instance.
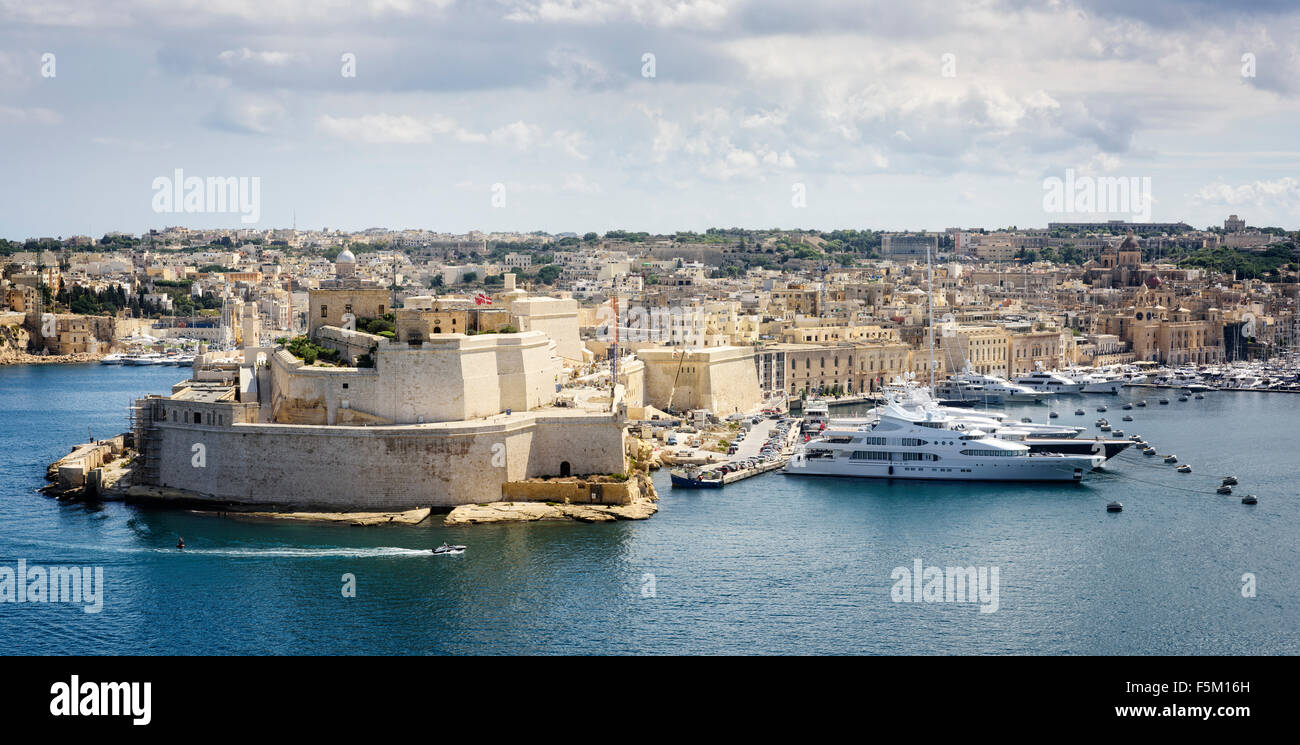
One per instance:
(482, 298)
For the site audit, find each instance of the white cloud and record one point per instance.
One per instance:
(34, 115)
(248, 115)
(692, 13)
(385, 129)
(572, 143)
(398, 129)
(1277, 194)
(519, 135)
(244, 54)
(578, 184)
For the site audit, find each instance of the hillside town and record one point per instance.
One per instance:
(814, 313)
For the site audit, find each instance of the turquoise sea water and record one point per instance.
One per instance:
(774, 564)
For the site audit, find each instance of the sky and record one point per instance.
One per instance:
(661, 116)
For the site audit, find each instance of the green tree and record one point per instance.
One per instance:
(548, 274)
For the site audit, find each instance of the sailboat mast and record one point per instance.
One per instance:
(929, 301)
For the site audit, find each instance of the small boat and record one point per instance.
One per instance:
(1171, 458)
(1184, 468)
(1126, 407)
(1249, 499)
(1104, 428)
(1142, 403)
(448, 549)
(1117, 433)
(1101, 408)
(1200, 396)
(1079, 412)
(1026, 420)
(1224, 489)
(1114, 507)
(1128, 418)
(1164, 401)
(694, 478)
(1229, 480)
(1135, 438)
(1182, 398)
(1053, 415)
(1148, 450)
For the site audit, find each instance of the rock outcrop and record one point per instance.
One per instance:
(642, 504)
(15, 349)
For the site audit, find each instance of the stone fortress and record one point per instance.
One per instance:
(436, 417)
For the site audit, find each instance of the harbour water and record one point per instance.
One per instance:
(775, 564)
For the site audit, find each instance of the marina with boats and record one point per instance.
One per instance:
(909, 435)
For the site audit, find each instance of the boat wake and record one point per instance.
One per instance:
(379, 552)
(284, 552)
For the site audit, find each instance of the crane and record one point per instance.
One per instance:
(673, 391)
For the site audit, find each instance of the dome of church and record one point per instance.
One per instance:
(345, 257)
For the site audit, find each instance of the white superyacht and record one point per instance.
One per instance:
(1049, 382)
(910, 443)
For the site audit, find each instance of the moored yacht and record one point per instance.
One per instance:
(151, 358)
(1003, 389)
(1049, 382)
(904, 443)
(1102, 382)
(815, 415)
(1039, 438)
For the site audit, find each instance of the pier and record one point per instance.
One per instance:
(750, 447)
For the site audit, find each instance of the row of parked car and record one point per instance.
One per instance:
(770, 451)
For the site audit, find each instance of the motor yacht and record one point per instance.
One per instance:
(992, 388)
(906, 443)
(1049, 382)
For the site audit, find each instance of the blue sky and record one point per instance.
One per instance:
(549, 98)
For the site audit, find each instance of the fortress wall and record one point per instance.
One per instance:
(554, 317)
(590, 445)
(528, 371)
(452, 378)
(351, 344)
(315, 395)
(731, 382)
(436, 382)
(382, 468)
(720, 379)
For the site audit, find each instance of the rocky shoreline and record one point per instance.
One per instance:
(643, 504)
(25, 358)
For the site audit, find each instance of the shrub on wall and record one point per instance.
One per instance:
(309, 352)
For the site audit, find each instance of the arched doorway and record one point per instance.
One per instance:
(565, 468)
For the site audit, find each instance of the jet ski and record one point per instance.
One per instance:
(448, 549)
(180, 544)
